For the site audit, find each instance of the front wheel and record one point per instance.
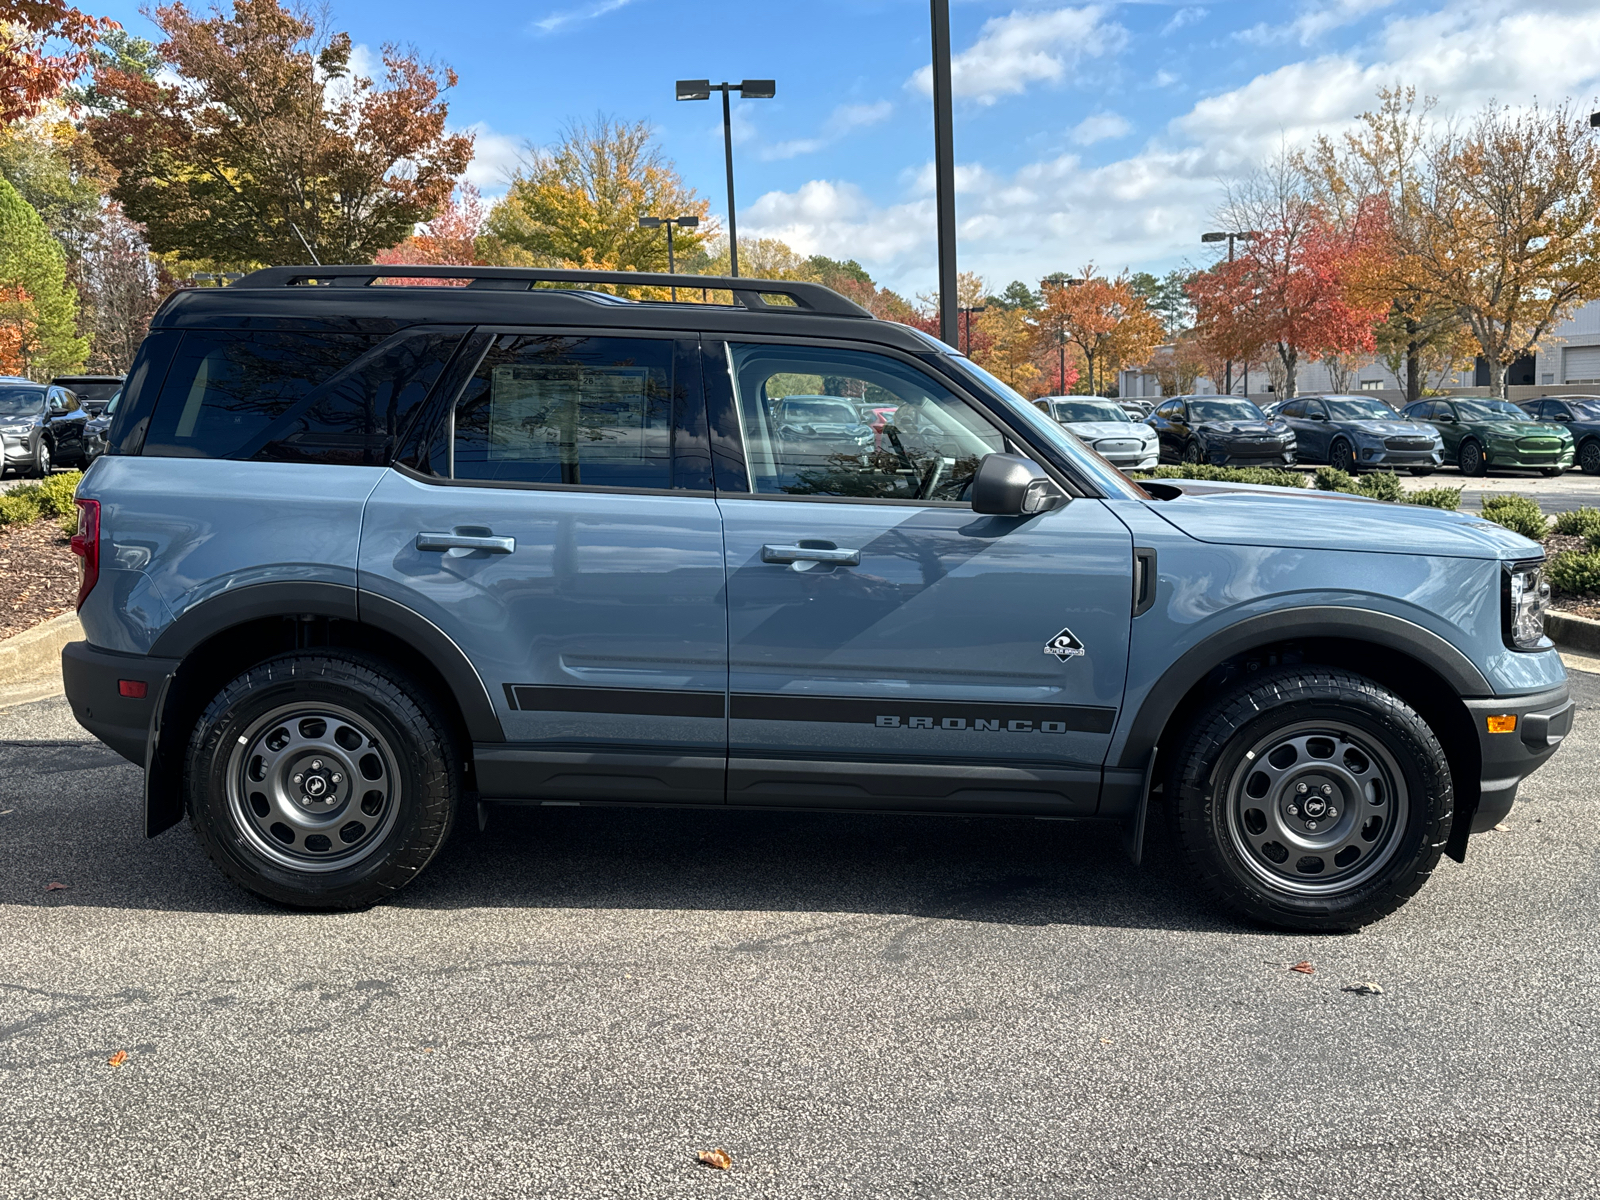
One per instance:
(1552, 472)
(322, 780)
(1470, 459)
(1191, 453)
(41, 460)
(1420, 471)
(1341, 458)
(1589, 457)
(1311, 799)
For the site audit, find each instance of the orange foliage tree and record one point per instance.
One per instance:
(1104, 318)
(30, 77)
(16, 331)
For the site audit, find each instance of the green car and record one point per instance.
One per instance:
(1480, 434)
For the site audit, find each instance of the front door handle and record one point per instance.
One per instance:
(466, 541)
(813, 554)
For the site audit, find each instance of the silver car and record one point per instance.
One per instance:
(1106, 428)
(41, 425)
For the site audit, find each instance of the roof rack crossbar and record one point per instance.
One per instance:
(749, 293)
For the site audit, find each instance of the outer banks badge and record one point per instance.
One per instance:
(1064, 645)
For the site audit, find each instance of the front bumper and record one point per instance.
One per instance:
(1137, 460)
(1543, 720)
(1382, 456)
(1508, 454)
(92, 679)
(1250, 454)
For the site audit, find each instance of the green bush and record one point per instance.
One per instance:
(1580, 522)
(1436, 497)
(1518, 514)
(1331, 479)
(1270, 476)
(50, 497)
(1381, 485)
(1575, 572)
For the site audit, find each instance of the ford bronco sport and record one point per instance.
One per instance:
(363, 553)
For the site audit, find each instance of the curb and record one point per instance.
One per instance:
(1573, 632)
(36, 652)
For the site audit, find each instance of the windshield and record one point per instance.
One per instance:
(829, 412)
(20, 401)
(1491, 410)
(1351, 409)
(1224, 410)
(111, 404)
(1110, 480)
(1586, 410)
(1088, 410)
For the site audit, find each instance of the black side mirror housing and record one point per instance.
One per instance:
(1007, 485)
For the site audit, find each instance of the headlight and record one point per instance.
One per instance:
(1525, 595)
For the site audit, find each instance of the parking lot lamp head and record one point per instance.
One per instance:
(748, 89)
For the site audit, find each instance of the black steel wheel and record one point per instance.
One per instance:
(1470, 458)
(1589, 456)
(1311, 799)
(321, 780)
(1341, 457)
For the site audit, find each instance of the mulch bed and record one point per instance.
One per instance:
(38, 575)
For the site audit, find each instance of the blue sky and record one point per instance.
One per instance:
(1095, 132)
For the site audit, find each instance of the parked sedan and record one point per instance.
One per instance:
(1221, 431)
(1480, 434)
(1581, 417)
(94, 392)
(1105, 426)
(40, 425)
(821, 425)
(1357, 432)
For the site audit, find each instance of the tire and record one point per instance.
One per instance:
(1552, 472)
(1589, 456)
(1421, 471)
(1191, 453)
(1312, 727)
(336, 817)
(41, 461)
(1469, 459)
(1341, 458)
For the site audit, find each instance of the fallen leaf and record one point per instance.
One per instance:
(117, 1059)
(55, 887)
(1304, 968)
(717, 1158)
(1502, 828)
(427, 1049)
(1363, 989)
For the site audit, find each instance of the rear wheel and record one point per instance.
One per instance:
(321, 780)
(1311, 799)
(1341, 457)
(1470, 458)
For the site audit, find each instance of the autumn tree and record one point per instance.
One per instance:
(1178, 365)
(120, 288)
(268, 148)
(450, 239)
(30, 75)
(1105, 318)
(578, 203)
(40, 308)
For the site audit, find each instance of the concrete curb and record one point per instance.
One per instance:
(36, 652)
(1573, 632)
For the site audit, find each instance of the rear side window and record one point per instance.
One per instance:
(294, 397)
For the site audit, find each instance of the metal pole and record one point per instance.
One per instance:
(671, 267)
(1228, 388)
(944, 169)
(733, 224)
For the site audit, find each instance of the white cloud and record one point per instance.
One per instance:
(1148, 209)
(494, 157)
(843, 119)
(1023, 47)
(1184, 16)
(1099, 127)
(1314, 21)
(574, 16)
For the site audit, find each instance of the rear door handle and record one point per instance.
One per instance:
(816, 554)
(465, 541)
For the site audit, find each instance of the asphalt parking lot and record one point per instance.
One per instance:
(576, 1001)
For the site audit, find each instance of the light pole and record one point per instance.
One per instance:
(944, 171)
(1246, 236)
(670, 223)
(967, 312)
(749, 89)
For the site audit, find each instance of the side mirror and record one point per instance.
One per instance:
(1316, 416)
(1007, 485)
(1445, 419)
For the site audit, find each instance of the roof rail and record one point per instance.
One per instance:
(750, 293)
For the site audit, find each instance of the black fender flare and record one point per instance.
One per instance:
(1310, 621)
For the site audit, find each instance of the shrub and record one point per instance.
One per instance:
(1437, 497)
(1518, 514)
(1331, 479)
(1580, 522)
(1575, 572)
(1270, 476)
(1382, 485)
(18, 507)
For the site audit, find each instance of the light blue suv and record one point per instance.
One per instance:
(360, 556)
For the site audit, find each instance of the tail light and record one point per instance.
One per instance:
(86, 545)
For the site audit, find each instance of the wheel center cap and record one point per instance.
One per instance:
(315, 786)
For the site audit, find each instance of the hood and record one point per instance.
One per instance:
(1274, 427)
(1390, 428)
(1094, 431)
(1520, 429)
(1246, 515)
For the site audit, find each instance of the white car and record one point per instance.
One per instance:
(1105, 427)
